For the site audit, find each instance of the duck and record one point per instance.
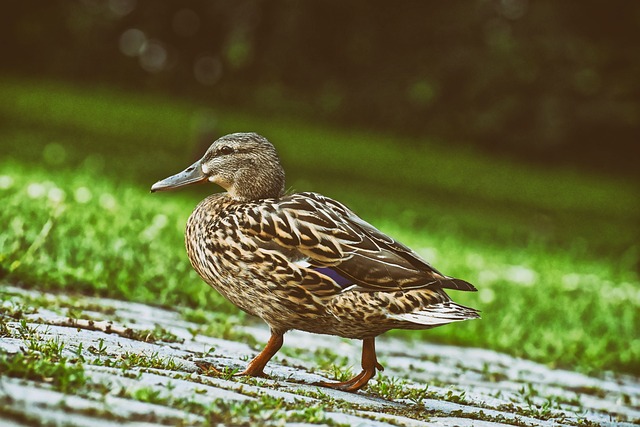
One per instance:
(303, 261)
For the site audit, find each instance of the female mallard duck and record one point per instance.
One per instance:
(304, 261)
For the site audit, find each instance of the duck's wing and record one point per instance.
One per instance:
(328, 237)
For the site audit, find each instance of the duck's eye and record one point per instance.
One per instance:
(224, 150)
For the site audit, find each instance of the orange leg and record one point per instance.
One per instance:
(369, 366)
(256, 366)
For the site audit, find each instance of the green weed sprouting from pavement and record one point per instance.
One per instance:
(393, 388)
(44, 360)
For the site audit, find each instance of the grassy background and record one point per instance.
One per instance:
(553, 252)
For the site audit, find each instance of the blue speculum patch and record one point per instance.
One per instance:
(343, 282)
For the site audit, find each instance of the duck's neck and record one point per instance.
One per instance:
(258, 183)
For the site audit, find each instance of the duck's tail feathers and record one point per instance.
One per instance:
(439, 314)
(456, 284)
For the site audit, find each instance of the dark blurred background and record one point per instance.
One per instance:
(548, 81)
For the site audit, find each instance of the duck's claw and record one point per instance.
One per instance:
(369, 366)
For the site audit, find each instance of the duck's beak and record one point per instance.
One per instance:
(190, 175)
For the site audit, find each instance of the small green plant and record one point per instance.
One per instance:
(583, 422)
(327, 360)
(75, 313)
(313, 414)
(492, 376)
(228, 373)
(194, 332)
(340, 373)
(541, 407)
(79, 356)
(16, 310)
(157, 334)
(267, 409)
(417, 394)
(128, 360)
(388, 387)
(451, 396)
(209, 352)
(4, 328)
(393, 388)
(100, 350)
(51, 348)
(43, 361)
(25, 331)
(149, 395)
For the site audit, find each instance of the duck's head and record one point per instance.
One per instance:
(244, 164)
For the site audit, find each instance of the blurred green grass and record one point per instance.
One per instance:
(553, 252)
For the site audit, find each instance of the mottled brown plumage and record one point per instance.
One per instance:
(304, 261)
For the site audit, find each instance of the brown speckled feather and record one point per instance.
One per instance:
(329, 234)
(268, 251)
